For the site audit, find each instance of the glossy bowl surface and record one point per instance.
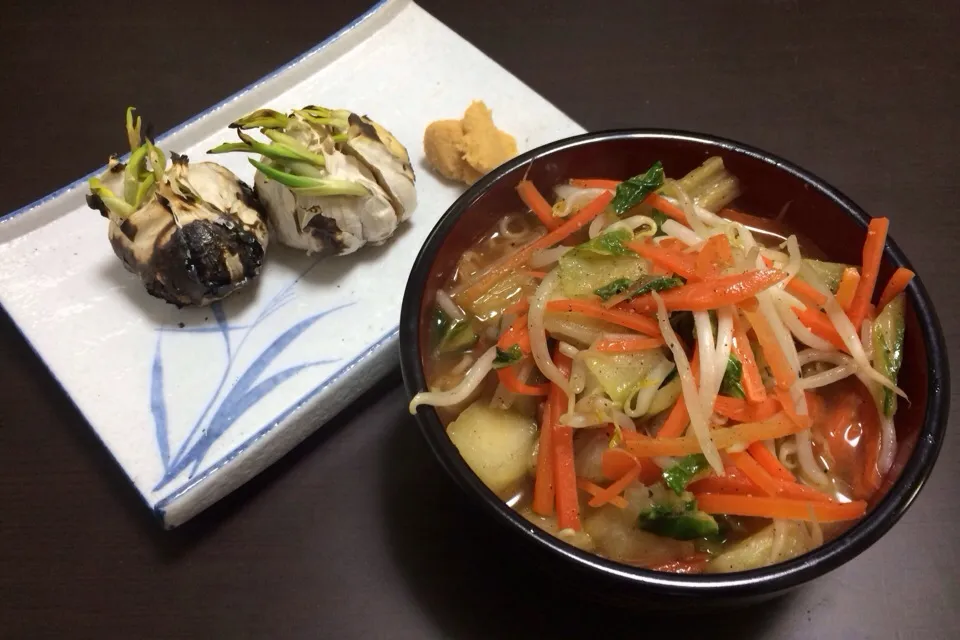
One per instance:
(772, 187)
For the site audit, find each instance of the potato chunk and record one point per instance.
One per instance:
(496, 444)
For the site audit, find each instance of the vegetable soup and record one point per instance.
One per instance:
(651, 375)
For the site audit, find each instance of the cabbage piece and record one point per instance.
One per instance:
(496, 444)
(888, 331)
(501, 295)
(615, 533)
(757, 550)
(666, 396)
(829, 273)
(622, 374)
(595, 264)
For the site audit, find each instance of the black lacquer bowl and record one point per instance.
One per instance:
(817, 211)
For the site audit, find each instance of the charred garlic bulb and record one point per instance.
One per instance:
(193, 233)
(330, 180)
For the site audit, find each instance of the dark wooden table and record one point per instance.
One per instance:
(358, 533)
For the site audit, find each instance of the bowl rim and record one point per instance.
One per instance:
(777, 577)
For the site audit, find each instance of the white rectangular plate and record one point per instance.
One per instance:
(194, 402)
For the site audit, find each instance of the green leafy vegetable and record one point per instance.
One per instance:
(616, 287)
(633, 191)
(449, 335)
(680, 521)
(609, 244)
(507, 357)
(659, 217)
(659, 283)
(732, 377)
(679, 475)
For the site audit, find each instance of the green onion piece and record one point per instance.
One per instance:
(157, 161)
(229, 147)
(295, 146)
(133, 129)
(311, 186)
(131, 175)
(304, 169)
(144, 189)
(338, 118)
(261, 118)
(114, 204)
(273, 151)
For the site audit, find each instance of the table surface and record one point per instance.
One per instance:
(358, 532)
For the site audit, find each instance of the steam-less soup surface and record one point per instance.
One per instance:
(656, 377)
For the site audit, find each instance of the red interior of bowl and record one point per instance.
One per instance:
(769, 191)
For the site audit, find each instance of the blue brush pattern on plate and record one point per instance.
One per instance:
(227, 405)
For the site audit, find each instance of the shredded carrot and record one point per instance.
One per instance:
(715, 256)
(666, 207)
(725, 437)
(898, 282)
(786, 508)
(594, 183)
(757, 474)
(801, 289)
(614, 463)
(594, 489)
(540, 275)
(673, 260)
(752, 382)
(573, 224)
(543, 486)
(820, 325)
(508, 378)
(516, 334)
(766, 459)
(798, 491)
(564, 473)
(627, 344)
(782, 371)
(848, 287)
(676, 423)
(736, 483)
(872, 254)
(729, 483)
(616, 488)
(532, 197)
(743, 411)
(627, 319)
(783, 396)
(711, 294)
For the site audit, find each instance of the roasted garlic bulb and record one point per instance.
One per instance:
(193, 233)
(330, 180)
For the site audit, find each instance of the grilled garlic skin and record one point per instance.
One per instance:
(193, 236)
(331, 181)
